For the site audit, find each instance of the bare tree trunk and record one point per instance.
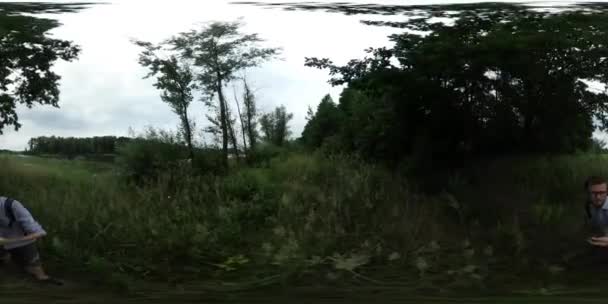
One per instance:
(232, 134)
(223, 121)
(238, 109)
(249, 109)
(187, 129)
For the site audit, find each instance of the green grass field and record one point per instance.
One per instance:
(304, 218)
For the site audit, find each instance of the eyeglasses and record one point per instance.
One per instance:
(597, 193)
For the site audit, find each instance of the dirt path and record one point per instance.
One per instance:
(24, 292)
(17, 289)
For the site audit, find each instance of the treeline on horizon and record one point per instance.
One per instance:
(74, 146)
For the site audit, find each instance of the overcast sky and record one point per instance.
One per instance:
(103, 93)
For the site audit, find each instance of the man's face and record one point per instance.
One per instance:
(597, 194)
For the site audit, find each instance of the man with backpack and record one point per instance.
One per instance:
(18, 234)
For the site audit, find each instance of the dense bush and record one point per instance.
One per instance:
(157, 153)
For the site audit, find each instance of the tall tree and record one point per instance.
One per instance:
(231, 122)
(215, 127)
(219, 50)
(267, 122)
(176, 80)
(275, 126)
(250, 115)
(325, 122)
(240, 116)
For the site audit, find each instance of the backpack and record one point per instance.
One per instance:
(8, 210)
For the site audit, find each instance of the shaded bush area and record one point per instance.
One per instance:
(155, 153)
(73, 146)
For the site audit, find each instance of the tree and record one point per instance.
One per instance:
(322, 124)
(275, 126)
(240, 116)
(248, 118)
(494, 82)
(267, 123)
(215, 129)
(250, 115)
(219, 51)
(231, 122)
(27, 56)
(176, 80)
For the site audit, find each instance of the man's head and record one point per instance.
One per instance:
(597, 189)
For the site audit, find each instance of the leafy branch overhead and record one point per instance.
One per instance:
(27, 56)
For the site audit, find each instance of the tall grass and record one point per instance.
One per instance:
(306, 214)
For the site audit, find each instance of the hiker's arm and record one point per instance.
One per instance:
(32, 229)
(29, 237)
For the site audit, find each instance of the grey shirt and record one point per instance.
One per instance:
(24, 224)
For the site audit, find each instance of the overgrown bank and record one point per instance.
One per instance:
(311, 218)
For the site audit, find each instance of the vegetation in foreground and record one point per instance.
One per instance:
(308, 218)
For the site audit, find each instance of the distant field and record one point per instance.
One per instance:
(58, 167)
